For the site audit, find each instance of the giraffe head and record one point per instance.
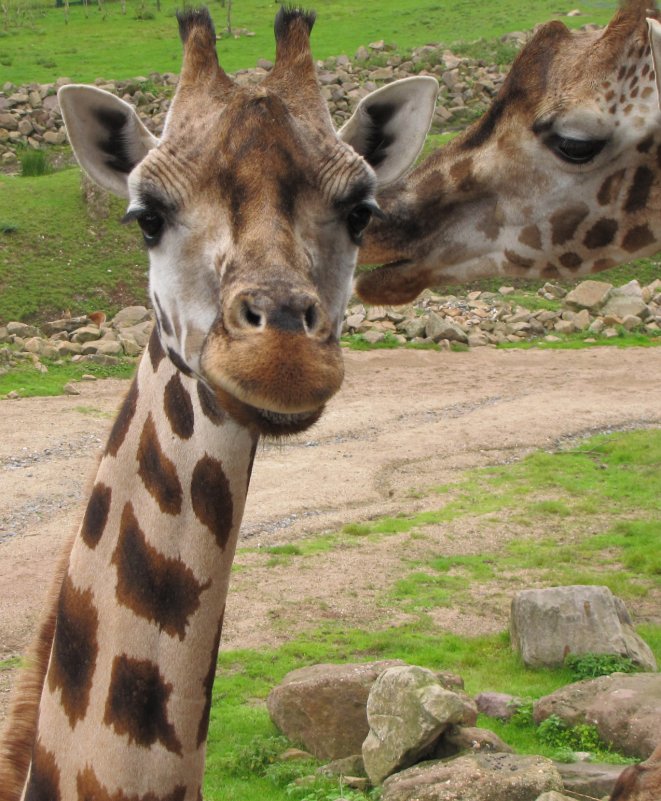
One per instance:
(560, 177)
(252, 209)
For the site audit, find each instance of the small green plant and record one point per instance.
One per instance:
(34, 163)
(256, 757)
(556, 733)
(589, 666)
(8, 227)
(523, 714)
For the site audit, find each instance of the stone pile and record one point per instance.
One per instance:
(480, 318)
(30, 115)
(85, 339)
(486, 318)
(411, 730)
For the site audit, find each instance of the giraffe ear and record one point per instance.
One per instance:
(389, 126)
(106, 134)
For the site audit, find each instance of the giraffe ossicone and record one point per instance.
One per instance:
(252, 208)
(561, 177)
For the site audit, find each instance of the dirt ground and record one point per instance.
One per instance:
(404, 420)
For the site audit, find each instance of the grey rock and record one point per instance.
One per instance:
(407, 710)
(104, 347)
(472, 739)
(552, 795)
(87, 333)
(546, 625)
(22, 330)
(130, 316)
(588, 778)
(475, 777)
(497, 705)
(439, 328)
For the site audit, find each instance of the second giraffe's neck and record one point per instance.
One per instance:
(125, 705)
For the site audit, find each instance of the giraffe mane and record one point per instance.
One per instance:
(21, 723)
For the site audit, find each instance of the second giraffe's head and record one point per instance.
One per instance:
(252, 208)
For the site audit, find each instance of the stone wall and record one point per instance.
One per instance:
(30, 116)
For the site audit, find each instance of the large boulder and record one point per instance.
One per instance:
(547, 625)
(626, 709)
(408, 709)
(323, 707)
(475, 777)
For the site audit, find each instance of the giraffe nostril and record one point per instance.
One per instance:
(253, 318)
(311, 318)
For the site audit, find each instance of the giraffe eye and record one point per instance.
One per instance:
(359, 217)
(151, 225)
(575, 151)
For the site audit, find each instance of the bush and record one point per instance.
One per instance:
(34, 163)
(590, 666)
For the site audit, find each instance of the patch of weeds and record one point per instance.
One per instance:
(34, 163)
(556, 734)
(590, 666)
(389, 342)
(11, 663)
(422, 591)
(8, 227)
(29, 382)
(256, 757)
(287, 550)
(92, 411)
(356, 529)
(550, 508)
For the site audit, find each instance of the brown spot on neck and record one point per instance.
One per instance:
(178, 408)
(158, 473)
(212, 498)
(153, 586)
(96, 515)
(75, 649)
(565, 222)
(137, 704)
(44, 780)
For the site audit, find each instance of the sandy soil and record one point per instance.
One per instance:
(403, 421)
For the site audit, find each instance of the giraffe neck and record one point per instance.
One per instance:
(125, 704)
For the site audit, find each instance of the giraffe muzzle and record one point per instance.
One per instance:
(275, 351)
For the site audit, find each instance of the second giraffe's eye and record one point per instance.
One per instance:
(575, 151)
(151, 225)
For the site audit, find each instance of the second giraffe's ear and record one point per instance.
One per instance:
(389, 126)
(106, 134)
(655, 42)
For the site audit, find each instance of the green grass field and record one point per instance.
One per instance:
(608, 484)
(38, 44)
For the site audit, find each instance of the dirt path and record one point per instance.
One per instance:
(403, 420)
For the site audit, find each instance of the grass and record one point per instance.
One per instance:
(57, 259)
(597, 507)
(38, 43)
(29, 382)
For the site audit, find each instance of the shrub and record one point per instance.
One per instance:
(589, 666)
(34, 163)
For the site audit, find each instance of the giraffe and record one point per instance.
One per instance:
(252, 208)
(561, 177)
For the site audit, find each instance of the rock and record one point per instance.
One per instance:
(439, 328)
(547, 625)
(373, 337)
(625, 305)
(324, 706)
(68, 324)
(130, 316)
(460, 739)
(507, 290)
(104, 347)
(22, 330)
(70, 389)
(407, 711)
(497, 705)
(87, 333)
(582, 320)
(349, 766)
(590, 295)
(625, 708)
(552, 795)
(588, 778)
(640, 782)
(69, 348)
(475, 777)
